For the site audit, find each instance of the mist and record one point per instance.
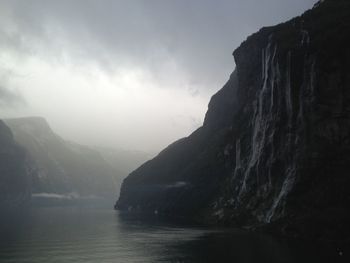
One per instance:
(174, 131)
(128, 74)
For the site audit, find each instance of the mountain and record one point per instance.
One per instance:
(63, 168)
(274, 148)
(124, 161)
(15, 172)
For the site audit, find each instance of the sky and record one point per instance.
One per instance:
(131, 74)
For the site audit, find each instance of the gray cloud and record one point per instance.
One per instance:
(198, 36)
(137, 74)
(9, 98)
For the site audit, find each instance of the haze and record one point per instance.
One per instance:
(130, 74)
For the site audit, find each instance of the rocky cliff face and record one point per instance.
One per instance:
(274, 149)
(62, 167)
(15, 171)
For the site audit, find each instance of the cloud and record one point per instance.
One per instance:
(10, 98)
(122, 72)
(160, 35)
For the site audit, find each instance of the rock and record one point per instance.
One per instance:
(62, 167)
(274, 149)
(15, 173)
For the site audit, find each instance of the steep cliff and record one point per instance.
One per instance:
(15, 175)
(274, 149)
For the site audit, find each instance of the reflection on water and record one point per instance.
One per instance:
(70, 234)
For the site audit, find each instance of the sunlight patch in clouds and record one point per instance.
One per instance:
(122, 108)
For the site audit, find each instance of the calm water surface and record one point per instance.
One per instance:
(71, 234)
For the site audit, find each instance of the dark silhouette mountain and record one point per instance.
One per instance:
(274, 149)
(15, 172)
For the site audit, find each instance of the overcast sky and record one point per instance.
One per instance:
(135, 74)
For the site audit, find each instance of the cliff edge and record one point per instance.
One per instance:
(274, 149)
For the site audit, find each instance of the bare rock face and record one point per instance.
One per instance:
(15, 171)
(274, 149)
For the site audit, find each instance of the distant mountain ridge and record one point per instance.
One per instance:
(66, 169)
(124, 161)
(62, 167)
(15, 172)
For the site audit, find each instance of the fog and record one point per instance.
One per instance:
(130, 74)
